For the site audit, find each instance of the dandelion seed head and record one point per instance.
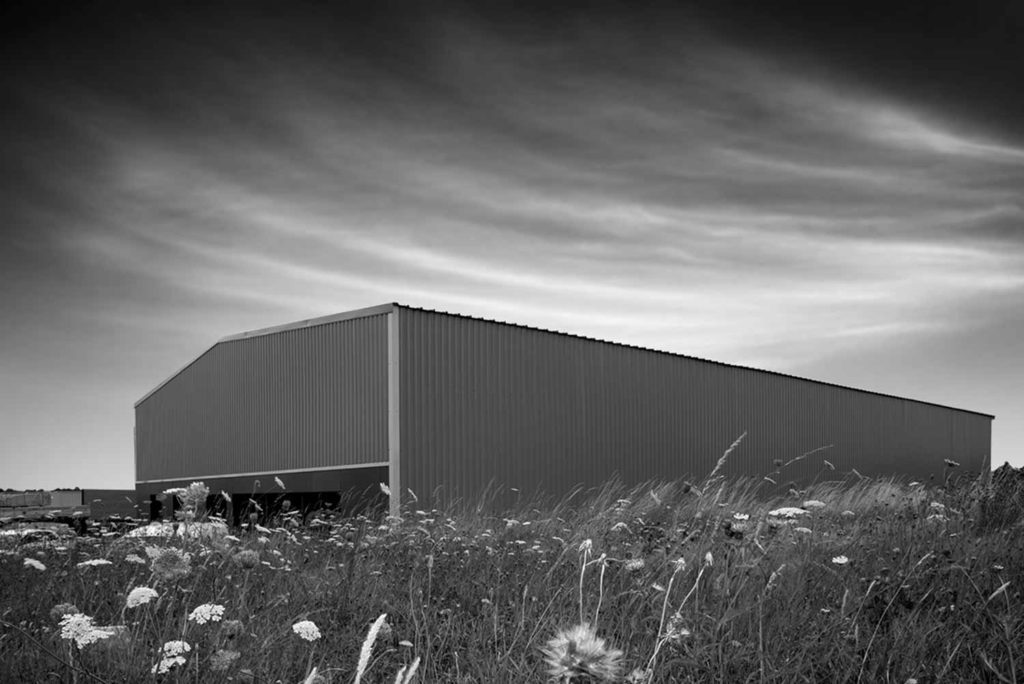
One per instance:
(579, 652)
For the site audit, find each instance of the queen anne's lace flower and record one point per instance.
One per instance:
(165, 664)
(307, 629)
(787, 512)
(95, 562)
(170, 564)
(140, 595)
(208, 612)
(633, 564)
(81, 629)
(175, 648)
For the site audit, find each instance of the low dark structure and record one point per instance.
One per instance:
(445, 405)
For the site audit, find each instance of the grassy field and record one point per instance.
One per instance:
(867, 581)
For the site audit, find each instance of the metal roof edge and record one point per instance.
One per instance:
(297, 325)
(312, 322)
(692, 358)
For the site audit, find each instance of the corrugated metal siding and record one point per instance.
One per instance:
(304, 398)
(543, 411)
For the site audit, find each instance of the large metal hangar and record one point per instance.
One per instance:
(446, 406)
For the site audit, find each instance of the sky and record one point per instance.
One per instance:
(832, 193)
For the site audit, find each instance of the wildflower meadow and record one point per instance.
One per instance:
(852, 581)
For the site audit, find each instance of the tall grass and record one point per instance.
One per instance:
(690, 582)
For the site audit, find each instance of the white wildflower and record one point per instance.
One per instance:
(840, 560)
(81, 629)
(278, 482)
(165, 664)
(307, 629)
(814, 503)
(33, 563)
(140, 595)
(385, 489)
(741, 516)
(134, 558)
(802, 530)
(95, 562)
(208, 612)
(175, 648)
(787, 512)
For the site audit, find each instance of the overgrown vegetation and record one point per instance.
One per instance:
(863, 581)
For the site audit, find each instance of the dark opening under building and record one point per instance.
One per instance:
(445, 405)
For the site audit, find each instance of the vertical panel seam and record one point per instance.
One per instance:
(394, 424)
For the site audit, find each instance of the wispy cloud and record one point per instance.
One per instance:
(688, 195)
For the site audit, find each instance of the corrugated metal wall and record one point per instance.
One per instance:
(537, 410)
(311, 397)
